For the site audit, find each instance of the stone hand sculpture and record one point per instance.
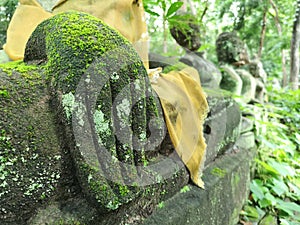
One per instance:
(88, 114)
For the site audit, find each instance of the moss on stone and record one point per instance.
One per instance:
(30, 166)
(20, 67)
(99, 83)
(90, 95)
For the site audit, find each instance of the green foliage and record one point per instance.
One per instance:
(275, 189)
(161, 14)
(161, 205)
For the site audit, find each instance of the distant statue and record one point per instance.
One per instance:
(231, 49)
(247, 82)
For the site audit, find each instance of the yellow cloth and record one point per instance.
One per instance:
(185, 108)
(25, 19)
(182, 97)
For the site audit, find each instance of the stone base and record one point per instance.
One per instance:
(226, 189)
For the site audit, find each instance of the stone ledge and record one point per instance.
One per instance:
(226, 189)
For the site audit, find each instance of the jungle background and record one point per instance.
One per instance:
(271, 30)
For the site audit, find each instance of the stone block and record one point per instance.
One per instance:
(246, 125)
(231, 81)
(226, 189)
(222, 126)
(246, 140)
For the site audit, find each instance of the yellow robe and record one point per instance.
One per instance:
(183, 100)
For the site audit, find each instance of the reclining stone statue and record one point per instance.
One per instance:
(84, 66)
(83, 132)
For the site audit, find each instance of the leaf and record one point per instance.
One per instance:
(271, 199)
(297, 139)
(288, 222)
(288, 207)
(267, 167)
(151, 12)
(173, 8)
(294, 190)
(282, 168)
(163, 5)
(279, 187)
(264, 203)
(250, 211)
(257, 189)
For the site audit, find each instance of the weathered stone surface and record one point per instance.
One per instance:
(156, 60)
(210, 75)
(222, 126)
(113, 119)
(231, 49)
(257, 70)
(226, 189)
(249, 85)
(187, 36)
(3, 57)
(247, 125)
(246, 140)
(231, 81)
(84, 125)
(30, 152)
(260, 91)
(48, 4)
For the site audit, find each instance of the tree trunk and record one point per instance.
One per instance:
(294, 74)
(263, 33)
(193, 11)
(279, 29)
(165, 34)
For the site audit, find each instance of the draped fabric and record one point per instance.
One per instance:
(24, 21)
(183, 100)
(185, 108)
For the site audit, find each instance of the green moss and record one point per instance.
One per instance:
(80, 39)
(29, 151)
(18, 66)
(97, 79)
(219, 172)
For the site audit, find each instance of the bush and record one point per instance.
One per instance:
(275, 189)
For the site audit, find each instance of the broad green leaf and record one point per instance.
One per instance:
(294, 190)
(270, 198)
(284, 222)
(282, 168)
(256, 188)
(297, 139)
(268, 219)
(288, 207)
(268, 144)
(289, 222)
(173, 8)
(152, 13)
(264, 203)
(267, 167)
(279, 187)
(163, 5)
